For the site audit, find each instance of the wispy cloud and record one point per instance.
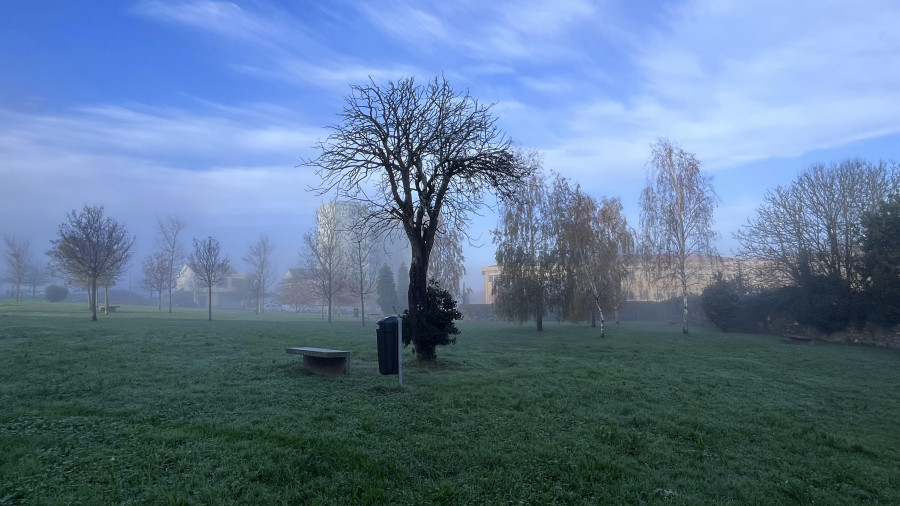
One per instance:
(284, 47)
(223, 175)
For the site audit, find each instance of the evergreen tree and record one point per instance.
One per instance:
(386, 290)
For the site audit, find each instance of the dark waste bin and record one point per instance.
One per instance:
(387, 345)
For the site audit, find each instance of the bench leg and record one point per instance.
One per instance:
(326, 366)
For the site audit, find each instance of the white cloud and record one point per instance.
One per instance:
(141, 163)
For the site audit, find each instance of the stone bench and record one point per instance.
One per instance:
(108, 309)
(323, 360)
(799, 339)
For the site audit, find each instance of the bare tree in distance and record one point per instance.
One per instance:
(37, 274)
(677, 217)
(411, 154)
(324, 257)
(156, 274)
(168, 231)
(209, 265)
(259, 256)
(17, 258)
(91, 246)
(365, 273)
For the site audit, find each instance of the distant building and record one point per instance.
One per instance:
(232, 292)
(643, 285)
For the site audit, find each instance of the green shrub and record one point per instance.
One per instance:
(440, 313)
(56, 293)
(722, 304)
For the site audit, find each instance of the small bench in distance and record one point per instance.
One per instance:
(108, 309)
(323, 360)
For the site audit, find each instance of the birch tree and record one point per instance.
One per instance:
(594, 247)
(447, 260)
(527, 251)
(677, 217)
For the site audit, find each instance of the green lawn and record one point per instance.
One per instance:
(150, 408)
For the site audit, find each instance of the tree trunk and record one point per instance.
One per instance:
(330, 302)
(417, 297)
(93, 296)
(602, 319)
(171, 268)
(684, 307)
(106, 298)
(209, 302)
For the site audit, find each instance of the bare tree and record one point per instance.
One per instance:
(259, 256)
(17, 257)
(365, 272)
(412, 153)
(527, 252)
(813, 226)
(91, 247)
(677, 217)
(209, 265)
(156, 274)
(168, 230)
(324, 257)
(36, 275)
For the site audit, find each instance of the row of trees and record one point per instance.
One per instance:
(21, 269)
(162, 268)
(560, 251)
(822, 251)
(93, 250)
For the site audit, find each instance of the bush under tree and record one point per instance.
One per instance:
(56, 293)
(440, 315)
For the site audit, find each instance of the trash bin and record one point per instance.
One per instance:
(387, 345)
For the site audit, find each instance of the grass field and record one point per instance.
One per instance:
(150, 408)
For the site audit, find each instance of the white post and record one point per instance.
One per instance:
(400, 349)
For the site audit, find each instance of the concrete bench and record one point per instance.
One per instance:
(323, 360)
(799, 339)
(108, 309)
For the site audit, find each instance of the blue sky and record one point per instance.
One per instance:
(204, 109)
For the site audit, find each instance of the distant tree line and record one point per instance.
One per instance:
(822, 252)
(560, 251)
